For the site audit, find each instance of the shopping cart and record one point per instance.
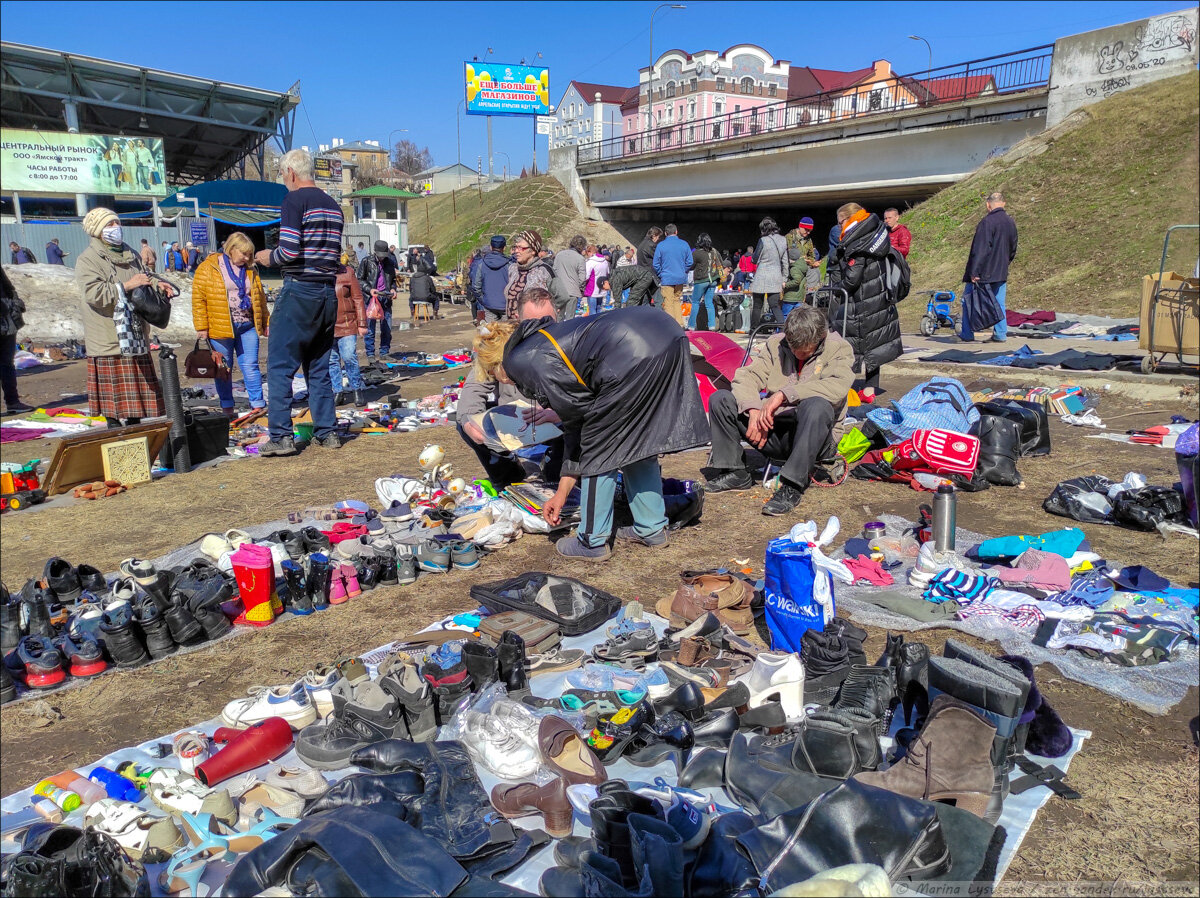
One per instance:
(831, 299)
(1169, 321)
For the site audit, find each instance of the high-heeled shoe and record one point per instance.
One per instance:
(220, 839)
(184, 872)
(688, 700)
(782, 675)
(615, 732)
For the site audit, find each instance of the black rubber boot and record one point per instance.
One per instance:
(511, 656)
(295, 594)
(481, 661)
(158, 589)
(317, 583)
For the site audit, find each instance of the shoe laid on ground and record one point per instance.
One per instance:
(191, 750)
(304, 782)
(91, 580)
(62, 579)
(785, 499)
(289, 702)
(556, 659)
(930, 562)
(735, 479)
(279, 447)
(41, 662)
(329, 441)
(141, 835)
(654, 540)
(252, 794)
(572, 547)
(433, 557)
(550, 801)
(155, 632)
(641, 643)
(464, 555)
(84, 655)
(362, 716)
(180, 793)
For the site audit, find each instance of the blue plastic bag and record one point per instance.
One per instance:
(790, 606)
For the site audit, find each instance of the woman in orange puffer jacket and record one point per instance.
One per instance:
(351, 323)
(229, 309)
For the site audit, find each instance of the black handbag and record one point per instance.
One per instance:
(999, 449)
(1030, 417)
(151, 304)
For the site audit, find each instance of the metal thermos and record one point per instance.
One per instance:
(945, 502)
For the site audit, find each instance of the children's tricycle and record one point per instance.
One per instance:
(939, 312)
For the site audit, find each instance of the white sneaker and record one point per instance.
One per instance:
(319, 688)
(501, 751)
(290, 702)
(930, 562)
(776, 674)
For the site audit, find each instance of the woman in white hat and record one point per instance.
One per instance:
(122, 383)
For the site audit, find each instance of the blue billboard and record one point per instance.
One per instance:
(494, 88)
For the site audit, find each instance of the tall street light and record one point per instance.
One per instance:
(458, 126)
(650, 73)
(914, 37)
(394, 131)
(508, 166)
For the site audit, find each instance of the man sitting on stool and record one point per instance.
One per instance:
(503, 470)
(805, 373)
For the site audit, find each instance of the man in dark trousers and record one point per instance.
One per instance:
(994, 247)
(377, 278)
(637, 280)
(645, 255)
(490, 278)
(54, 253)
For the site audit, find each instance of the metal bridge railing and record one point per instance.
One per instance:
(991, 76)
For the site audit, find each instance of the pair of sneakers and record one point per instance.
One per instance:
(930, 562)
(438, 556)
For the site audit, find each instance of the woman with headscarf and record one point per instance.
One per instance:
(872, 325)
(624, 387)
(527, 271)
(122, 384)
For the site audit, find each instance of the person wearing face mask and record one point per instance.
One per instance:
(229, 309)
(122, 383)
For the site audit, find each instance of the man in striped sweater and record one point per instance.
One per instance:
(300, 335)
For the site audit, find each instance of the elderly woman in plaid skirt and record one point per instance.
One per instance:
(122, 384)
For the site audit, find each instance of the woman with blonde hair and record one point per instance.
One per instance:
(229, 310)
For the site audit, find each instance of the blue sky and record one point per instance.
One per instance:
(367, 68)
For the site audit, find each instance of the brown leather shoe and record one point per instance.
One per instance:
(568, 755)
(726, 596)
(951, 760)
(549, 800)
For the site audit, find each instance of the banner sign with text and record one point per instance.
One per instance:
(49, 162)
(497, 89)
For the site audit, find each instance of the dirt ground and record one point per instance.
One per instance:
(1136, 821)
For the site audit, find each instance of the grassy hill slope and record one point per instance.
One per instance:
(1092, 200)
(454, 224)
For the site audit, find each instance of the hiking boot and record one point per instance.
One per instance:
(572, 547)
(654, 540)
(734, 479)
(282, 446)
(212, 619)
(329, 441)
(416, 697)
(155, 631)
(362, 715)
(949, 761)
(181, 623)
(785, 499)
(121, 640)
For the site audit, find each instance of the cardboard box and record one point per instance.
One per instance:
(1175, 314)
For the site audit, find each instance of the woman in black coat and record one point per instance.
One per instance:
(623, 385)
(872, 325)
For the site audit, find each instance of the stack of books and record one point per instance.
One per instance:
(532, 496)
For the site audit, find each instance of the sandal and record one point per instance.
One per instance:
(183, 873)
(131, 827)
(640, 643)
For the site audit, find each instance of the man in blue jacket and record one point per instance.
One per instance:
(489, 280)
(672, 262)
(992, 249)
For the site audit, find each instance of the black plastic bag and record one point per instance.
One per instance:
(1083, 499)
(1146, 508)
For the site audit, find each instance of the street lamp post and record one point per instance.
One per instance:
(650, 72)
(458, 126)
(393, 132)
(508, 166)
(914, 37)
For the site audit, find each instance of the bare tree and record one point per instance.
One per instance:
(407, 157)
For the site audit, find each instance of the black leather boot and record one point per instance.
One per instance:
(157, 588)
(826, 657)
(155, 632)
(37, 600)
(368, 568)
(28, 874)
(10, 626)
(181, 623)
(510, 654)
(610, 827)
(360, 399)
(416, 698)
(891, 652)
(8, 689)
(317, 583)
(998, 693)
(211, 618)
(482, 664)
(121, 641)
(854, 636)
(871, 689)
(912, 681)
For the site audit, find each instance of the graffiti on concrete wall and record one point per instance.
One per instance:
(1149, 47)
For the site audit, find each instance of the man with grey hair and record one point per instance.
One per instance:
(301, 325)
(986, 276)
(805, 374)
(570, 274)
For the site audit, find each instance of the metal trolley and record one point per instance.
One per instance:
(828, 298)
(1180, 308)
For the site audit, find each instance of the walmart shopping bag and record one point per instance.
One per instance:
(792, 592)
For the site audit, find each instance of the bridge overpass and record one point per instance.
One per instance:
(894, 143)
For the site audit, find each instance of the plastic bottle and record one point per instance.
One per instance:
(929, 481)
(68, 801)
(945, 518)
(115, 785)
(89, 791)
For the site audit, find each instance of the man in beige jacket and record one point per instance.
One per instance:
(789, 402)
